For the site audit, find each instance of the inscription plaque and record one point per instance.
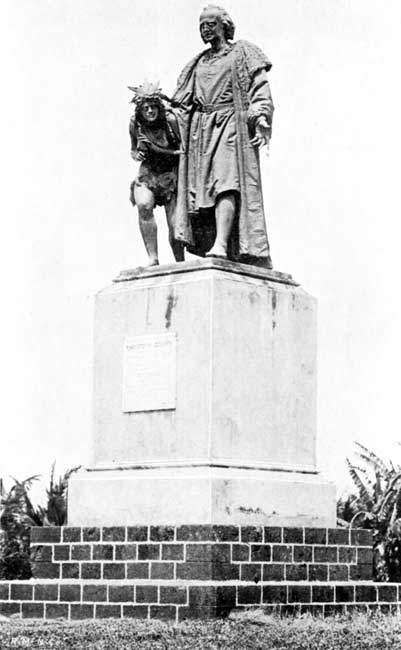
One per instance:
(149, 373)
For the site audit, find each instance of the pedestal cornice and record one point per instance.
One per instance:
(205, 264)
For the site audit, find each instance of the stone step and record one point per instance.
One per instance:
(177, 600)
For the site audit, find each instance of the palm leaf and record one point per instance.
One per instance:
(383, 511)
(398, 504)
(366, 475)
(360, 513)
(347, 507)
(26, 484)
(363, 491)
(378, 490)
(372, 459)
(56, 511)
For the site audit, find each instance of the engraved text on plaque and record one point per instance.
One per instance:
(149, 373)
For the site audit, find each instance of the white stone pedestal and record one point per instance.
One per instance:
(215, 422)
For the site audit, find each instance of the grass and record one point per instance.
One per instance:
(360, 632)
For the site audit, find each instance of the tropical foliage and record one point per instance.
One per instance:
(376, 506)
(18, 514)
(55, 513)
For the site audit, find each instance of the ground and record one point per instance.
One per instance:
(250, 632)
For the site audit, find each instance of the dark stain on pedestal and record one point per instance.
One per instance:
(253, 297)
(274, 305)
(171, 303)
(250, 511)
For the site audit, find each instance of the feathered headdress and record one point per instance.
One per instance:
(147, 91)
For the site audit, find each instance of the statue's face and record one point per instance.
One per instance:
(210, 26)
(150, 111)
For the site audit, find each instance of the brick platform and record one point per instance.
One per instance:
(195, 571)
(179, 600)
(202, 553)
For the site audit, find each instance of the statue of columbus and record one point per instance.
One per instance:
(224, 109)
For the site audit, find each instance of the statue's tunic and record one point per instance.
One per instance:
(218, 102)
(212, 158)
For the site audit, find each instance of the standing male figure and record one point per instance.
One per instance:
(225, 110)
(155, 143)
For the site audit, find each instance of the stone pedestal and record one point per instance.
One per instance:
(203, 494)
(204, 402)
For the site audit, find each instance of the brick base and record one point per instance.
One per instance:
(245, 553)
(178, 601)
(195, 571)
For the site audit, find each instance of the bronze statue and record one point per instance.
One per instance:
(155, 143)
(225, 110)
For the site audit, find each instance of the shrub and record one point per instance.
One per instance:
(376, 506)
(18, 514)
(55, 513)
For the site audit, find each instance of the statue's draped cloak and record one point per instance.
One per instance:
(251, 99)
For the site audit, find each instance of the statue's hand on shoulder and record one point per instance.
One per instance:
(262, 133)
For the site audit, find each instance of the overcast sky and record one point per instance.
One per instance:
(332, 192)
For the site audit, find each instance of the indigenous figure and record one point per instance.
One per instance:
(225, 110)
(155, 143)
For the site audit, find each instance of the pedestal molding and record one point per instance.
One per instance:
(205, 264)
(226, 464)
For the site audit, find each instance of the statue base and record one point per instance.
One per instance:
(200, 495)
(204, 401)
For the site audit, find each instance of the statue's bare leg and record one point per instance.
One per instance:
(176, 246)
(145, 203)
(225, 214)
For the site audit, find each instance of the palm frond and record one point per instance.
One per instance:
(377, 507)
(398, 504)
(26, 484)
(56, 511)
(366, 475)
(372, 459)
(53, 468)
(347, 507)
(363, 491)
(378, 489)
(359, 515)
(18, 514)
(386, 506)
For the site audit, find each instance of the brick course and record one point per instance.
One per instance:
(202, 553)
(135, 598)
(137, 569)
